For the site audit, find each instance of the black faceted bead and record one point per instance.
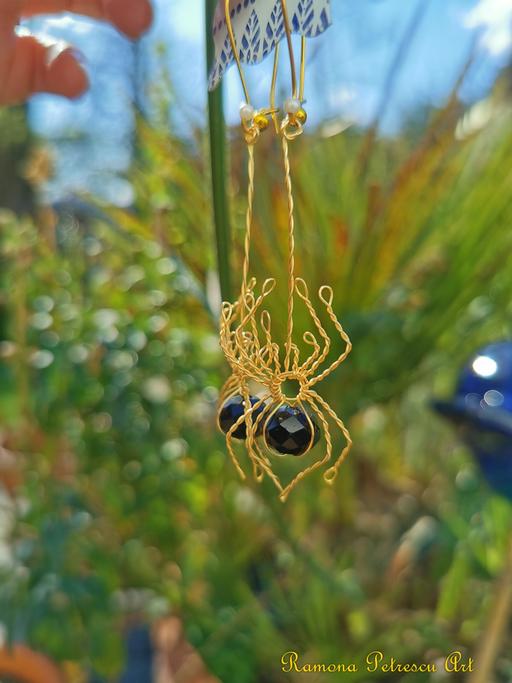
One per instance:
(233, 409)
(288, 431)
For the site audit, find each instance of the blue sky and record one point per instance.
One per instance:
(346, 71)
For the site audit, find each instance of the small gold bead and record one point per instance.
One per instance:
(301, 116)
(261, 121)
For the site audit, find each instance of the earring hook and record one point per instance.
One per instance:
(302, 68)
(273, 89)
(234, 48)
(288, 32)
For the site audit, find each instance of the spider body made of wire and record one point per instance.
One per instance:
(261, 370)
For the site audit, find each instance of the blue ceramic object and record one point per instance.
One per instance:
(139, 656)
(482, 411)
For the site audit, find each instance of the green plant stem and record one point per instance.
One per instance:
(217, 130)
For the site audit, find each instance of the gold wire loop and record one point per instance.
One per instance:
(291, 129)
(301, 288)
(266, 322)
(226, 310)
(257, 124)
(251, 135)
(309, 338)
(268, 286)
(326, 295)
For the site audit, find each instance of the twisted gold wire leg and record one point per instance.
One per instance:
(262, 461)
(249, 430)
(250, 427)
(319, 463)
(229, 387)
(248, 217)
(266, 467)
(327, 300)
(332, 472)
(315, 359)
(291, 248)
(266, 324)
(231, 450)
(258, 460)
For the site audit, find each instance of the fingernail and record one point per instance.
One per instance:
(79, 56)
(57, 49)
(54, 51)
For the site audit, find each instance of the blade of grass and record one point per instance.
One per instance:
(217, 133)
(492, 639)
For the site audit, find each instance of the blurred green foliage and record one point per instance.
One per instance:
(108, 385)
(15, 146)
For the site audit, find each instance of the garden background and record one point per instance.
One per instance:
(120, 503)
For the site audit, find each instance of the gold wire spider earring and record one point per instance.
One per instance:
(254, 405)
